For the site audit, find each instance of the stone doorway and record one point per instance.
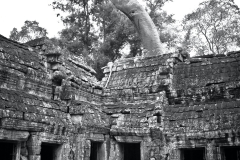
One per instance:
(97, 151)
(193, 154)
(8, 150)
(130, 151)
(50, 151)
(230, 153)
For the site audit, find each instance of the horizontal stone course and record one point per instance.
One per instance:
(165, 103)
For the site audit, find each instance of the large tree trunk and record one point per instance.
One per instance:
(143, 23)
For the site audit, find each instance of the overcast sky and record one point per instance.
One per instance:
(13, 13)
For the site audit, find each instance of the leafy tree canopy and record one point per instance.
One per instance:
(213, 28)
(96, 30)
(29, 31)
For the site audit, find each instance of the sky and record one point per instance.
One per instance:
(13, 13)
(182, 7)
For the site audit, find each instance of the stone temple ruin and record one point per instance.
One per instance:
(160, 107)
(166, 107)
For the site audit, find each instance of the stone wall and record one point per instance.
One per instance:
(204, 111)
(48, 98)
(154, 108)
(136, 89)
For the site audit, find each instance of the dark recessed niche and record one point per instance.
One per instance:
(97, 151)
(230, 153)
(8, 150)
(50, 151)
(193, 154)
(130, 151)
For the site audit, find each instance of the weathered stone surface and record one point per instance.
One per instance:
(13, 135)
(165, 103)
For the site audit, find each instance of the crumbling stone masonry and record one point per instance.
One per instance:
(155, 108)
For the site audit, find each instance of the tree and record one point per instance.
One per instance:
(213, 28)
(94, 30)
(166, 25)
(30, 30)
(97, 31)
(81, 35)
(143, 24)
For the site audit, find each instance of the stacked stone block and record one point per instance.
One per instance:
(165, 104)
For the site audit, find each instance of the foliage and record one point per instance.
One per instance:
(29, 31)
(81, 35)
(161, 19)
(213, 28)
(99, 32)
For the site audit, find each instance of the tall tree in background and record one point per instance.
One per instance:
(78, 34)
(213, 28)
(143, 24)
(93, 24)
(169, 33)
(96, 30)
(29, 31)
(81, 35)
